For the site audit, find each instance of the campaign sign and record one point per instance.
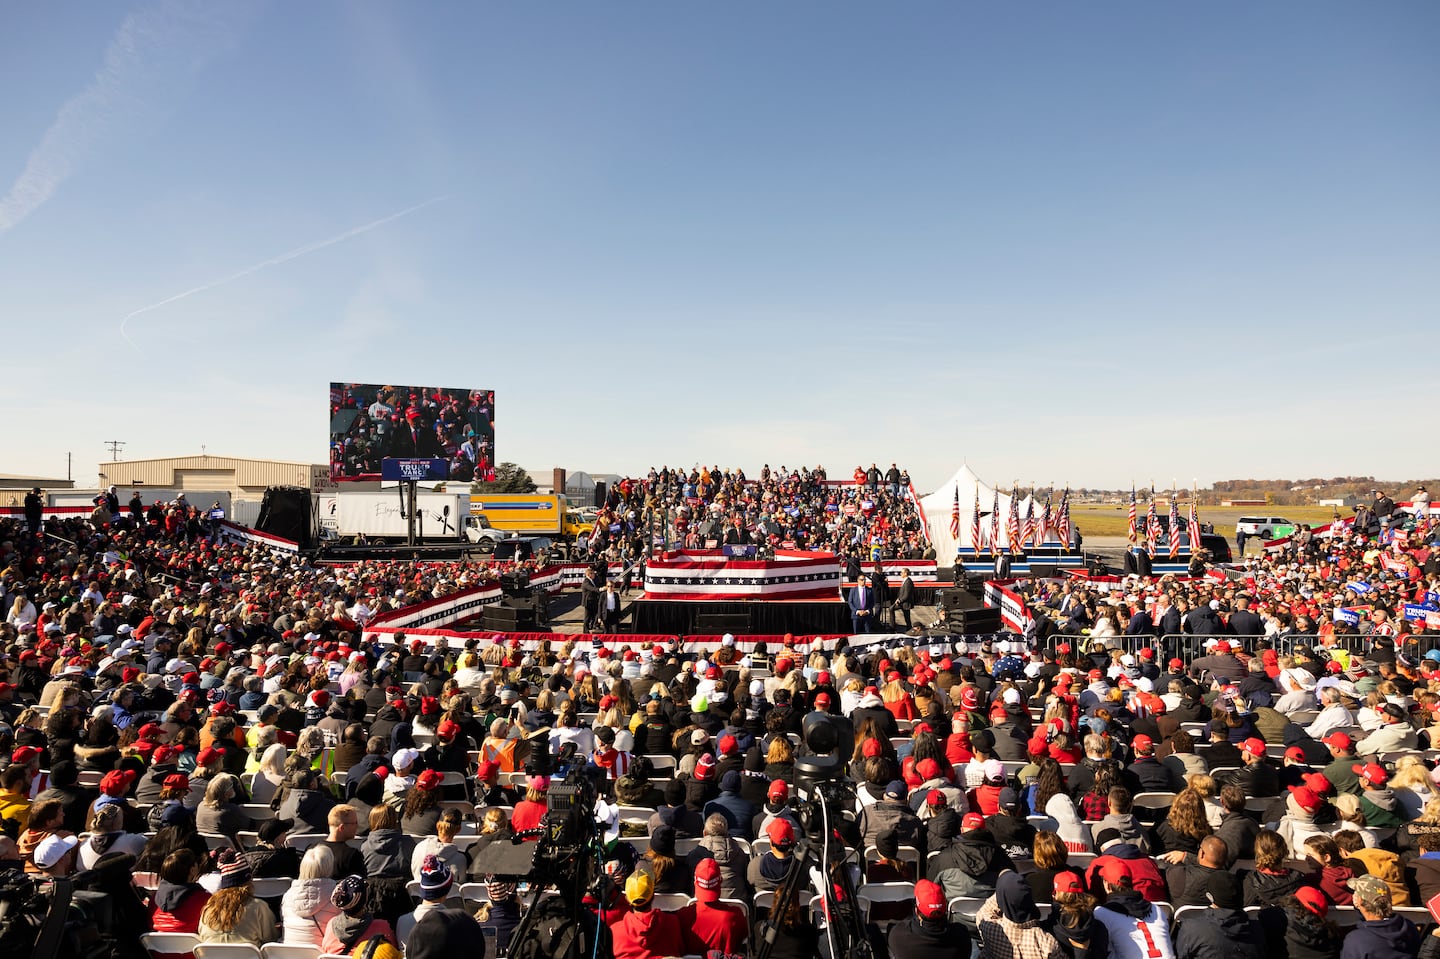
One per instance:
(1414, 611)
(1347, 616)
(1432, 620)
(424, 469)
(1359, 587)
(1433, 598)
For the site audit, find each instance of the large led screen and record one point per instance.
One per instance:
(369, 422)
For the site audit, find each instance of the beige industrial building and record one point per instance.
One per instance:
(245, 480)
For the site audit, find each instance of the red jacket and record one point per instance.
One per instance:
(714, 925)
(1144, 875)
(184, 918)
(650, 934)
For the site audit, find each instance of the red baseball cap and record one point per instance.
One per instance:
(1254, 746)
(1063, 649)
(209, 755)
(928, 769)
(1114, 871)
(1096, 674)
(448, 730)
(1338, 740)
(1147, 653)
(1313, 899)
(822, 701)
(1296, 755)
(726, 744)
(1066, 882)
(930, 901)
(707, 880)
(972, 820)
(1305, 797)
(1143, 744)
(429, 779)
(780, 833)
(935, 798)
(1222, 647)
(1317, 783)
(872, 748)
(1177, 663)
(779, 789)
(1372, 774)
(23, 755)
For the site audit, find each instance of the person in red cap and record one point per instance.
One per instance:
(1378, 801)
(1341, 770)
(929, 933)
(1221, 664)
(1134, 926)
(1307, 930)
(1148, 774)
(1257, 777)
(971, 864)
(708, 923)
(768, 869)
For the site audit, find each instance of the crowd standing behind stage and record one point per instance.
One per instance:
(216, 690)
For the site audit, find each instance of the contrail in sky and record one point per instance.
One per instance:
(274, 261)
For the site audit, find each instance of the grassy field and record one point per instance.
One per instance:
(1112, 519)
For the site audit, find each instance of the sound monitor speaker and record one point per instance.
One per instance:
(285, 512)
(508, 618)
(1044, 570)
(600, 492)
(979, 620)
(722, 622)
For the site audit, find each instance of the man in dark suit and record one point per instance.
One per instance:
(1141, 624)
(881, 585)
(905, 597)
(415, 438)
(1243, 621)
(862, 605)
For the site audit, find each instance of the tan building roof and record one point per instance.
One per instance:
(239, 476)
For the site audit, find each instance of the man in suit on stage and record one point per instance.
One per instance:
(905, 597)
(862, 606)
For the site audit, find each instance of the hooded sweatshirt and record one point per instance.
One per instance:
(645, 934)
(387, 854)
(1267, 888)
(1381, 808)
(176, 907)
(1133, 924)
(1392, 938)
(305, 911)
(1298, 934)
(1219, 934)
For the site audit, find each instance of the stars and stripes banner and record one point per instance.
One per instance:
(1047, 522)
(706, 575)
(1174, 526)
(1132, 534)
(1062, 522)
(955, 516)
(977, 532)
(1027, 534)
(1194, 525)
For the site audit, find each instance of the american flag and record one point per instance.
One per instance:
(1047, 522)
(1174, 526)
(1028, 533)
(995, 524)
(955, 515)
(1133, 535)
(1152, 526)
(1062, 520)
(1194, 525)
(1012, 528)
(977, 534)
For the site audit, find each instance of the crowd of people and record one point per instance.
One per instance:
(210, 715)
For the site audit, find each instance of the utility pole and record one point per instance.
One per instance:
(115, 447)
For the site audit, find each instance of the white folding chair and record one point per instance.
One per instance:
(303, 841)
(227, 950)
(670, 901)
(292, 950)
(169, 943)
(271, 888)
(873, 892)
(475, 892)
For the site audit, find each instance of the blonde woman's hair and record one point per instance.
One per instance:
(1409, 773)
(493, 821)
(1202, 783)
(220, 789)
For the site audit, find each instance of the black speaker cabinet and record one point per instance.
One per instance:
(722, 622)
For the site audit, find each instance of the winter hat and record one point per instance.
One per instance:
(435, 879)
(662, 840)
(234, 869)
(349, 895)
(897, 790)
(705, 768)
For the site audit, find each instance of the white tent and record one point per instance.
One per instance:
(938, 506)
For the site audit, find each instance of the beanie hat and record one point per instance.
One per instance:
(234, 869)
(435, 879)
(349, 894)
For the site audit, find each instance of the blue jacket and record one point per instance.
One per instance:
(1393, 938)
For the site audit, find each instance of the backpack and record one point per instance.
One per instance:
(555, 935)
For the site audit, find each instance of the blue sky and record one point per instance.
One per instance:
(1068, 242)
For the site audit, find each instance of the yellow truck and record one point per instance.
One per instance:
(529, 514)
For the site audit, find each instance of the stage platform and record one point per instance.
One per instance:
(826, 616)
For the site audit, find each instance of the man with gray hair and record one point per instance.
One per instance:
(1333, 715)
(1381, 934)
